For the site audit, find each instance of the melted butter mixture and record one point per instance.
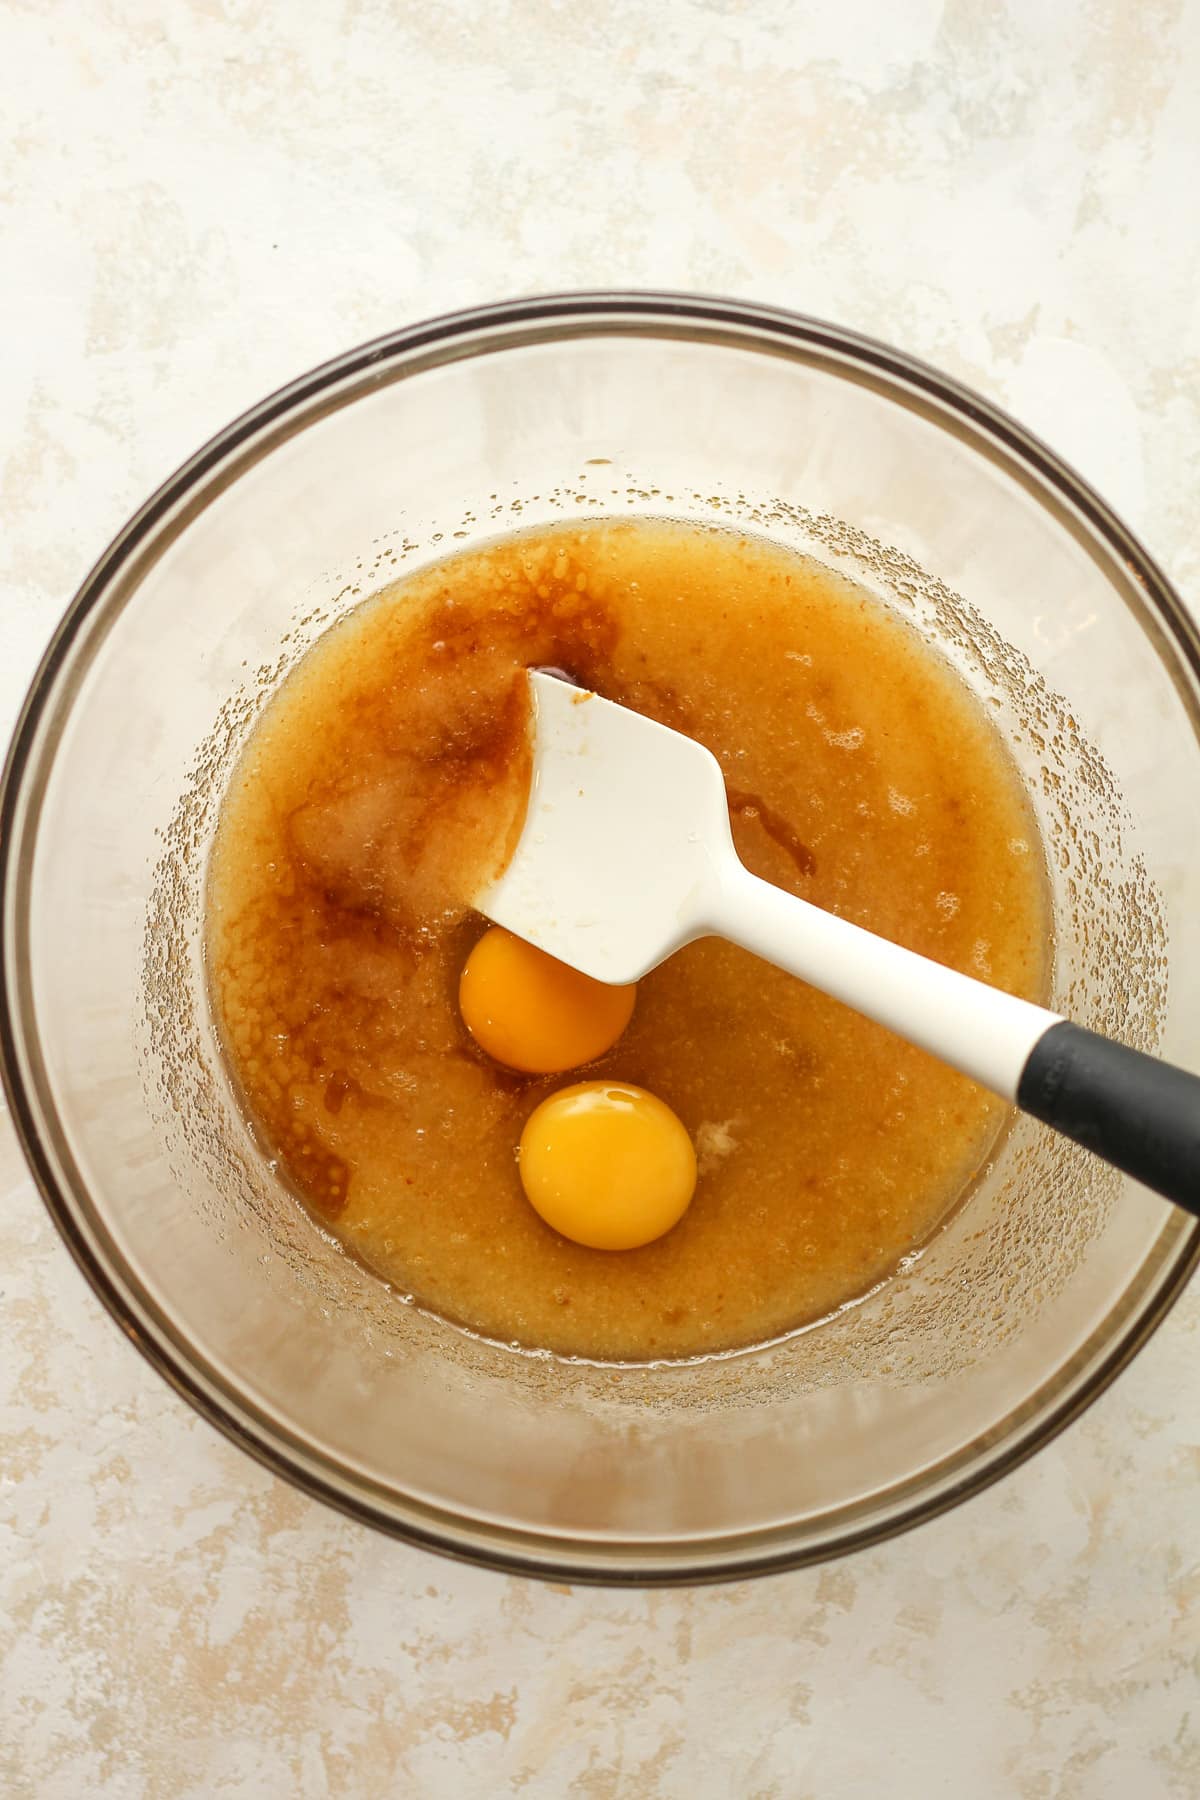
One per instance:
(388, 776)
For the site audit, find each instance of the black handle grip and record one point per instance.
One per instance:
(1139, 1114)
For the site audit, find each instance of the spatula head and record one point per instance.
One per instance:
(624, 841)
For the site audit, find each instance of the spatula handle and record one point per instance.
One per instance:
(1140, 1114)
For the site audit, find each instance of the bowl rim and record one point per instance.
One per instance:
(395, 356)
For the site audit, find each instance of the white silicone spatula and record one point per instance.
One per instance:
(626, 855)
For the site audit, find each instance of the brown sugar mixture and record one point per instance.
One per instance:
(389, 775)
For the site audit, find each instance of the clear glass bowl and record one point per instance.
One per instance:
(1035, 1293)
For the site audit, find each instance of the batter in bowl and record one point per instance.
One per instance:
(388, 776)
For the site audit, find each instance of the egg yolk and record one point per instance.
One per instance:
(608, 1166)
(533, 1013)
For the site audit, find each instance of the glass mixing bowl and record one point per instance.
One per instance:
(1036, 1291)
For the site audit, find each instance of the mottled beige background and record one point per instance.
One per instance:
(198, 201)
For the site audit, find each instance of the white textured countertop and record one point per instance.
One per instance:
(198, 201)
